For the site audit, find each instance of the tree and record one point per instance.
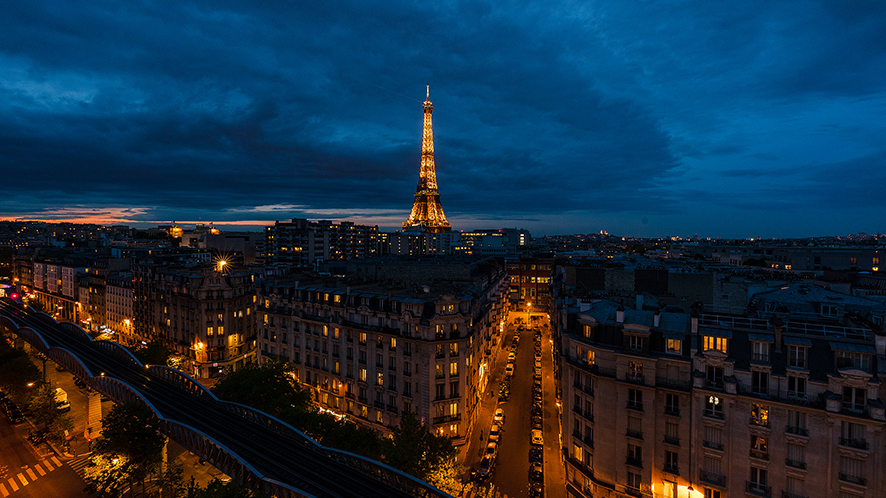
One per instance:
(16, 372)
(447, 476)
(131, 432)
(230, 489)
(45, 411)
(152, 353)
(269, 388)
(413, 449)
(106, 474)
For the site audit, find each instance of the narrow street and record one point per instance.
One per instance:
(511, 471)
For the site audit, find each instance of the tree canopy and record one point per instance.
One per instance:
(16, 372)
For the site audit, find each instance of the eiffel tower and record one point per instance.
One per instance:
(427, 213)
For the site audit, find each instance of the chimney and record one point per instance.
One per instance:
(620, 315)
(656, 318)
(639, 301)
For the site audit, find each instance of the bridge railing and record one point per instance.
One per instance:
(119, 351)
(387, 474)
(181, 379)
(74, 329)
(275, 424)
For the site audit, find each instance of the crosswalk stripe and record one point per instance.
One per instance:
(48, 465)
(40, 469)
(32, 475)
(21, 477)
(56, 462)
(13, 485)
(3, 490)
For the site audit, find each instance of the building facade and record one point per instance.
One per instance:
(374, 351)
(204, 314)
(723, 405)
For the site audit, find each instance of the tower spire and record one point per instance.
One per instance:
(427, 213)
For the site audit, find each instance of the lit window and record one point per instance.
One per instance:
(714, 343)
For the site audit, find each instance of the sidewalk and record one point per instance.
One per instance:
(470, 453)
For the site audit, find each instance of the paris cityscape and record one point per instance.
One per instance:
(640, 256)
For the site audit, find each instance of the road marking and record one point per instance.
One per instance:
(21, 477)
(48, 465)
(40, 469)
(32, 475)
(3, 490)
(56, 462)
(13, 485)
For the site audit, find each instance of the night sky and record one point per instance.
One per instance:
(733, 119)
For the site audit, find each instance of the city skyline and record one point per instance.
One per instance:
(645, 121)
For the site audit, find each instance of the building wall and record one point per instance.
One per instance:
(807, 447)
(432, 352)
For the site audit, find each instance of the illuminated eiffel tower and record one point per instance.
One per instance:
(427, 213)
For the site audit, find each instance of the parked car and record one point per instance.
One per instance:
(15, 416)
(485, 468)
(537, 438)
(494, 433)
(492, 449)
(37, 437)
(535, 454)
(536, 490)
(509, 370)
(536, 422)
(536, 472)
(499, 417)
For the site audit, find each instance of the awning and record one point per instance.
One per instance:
(715, 332)
(797, 341)
(761, 337)
(845, 346)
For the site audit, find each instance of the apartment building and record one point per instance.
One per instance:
(204, 312)
(720, 405)
(374, 350)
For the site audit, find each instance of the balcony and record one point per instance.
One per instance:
(860, 444)
(634, 378)
(713, 413)
(758, 489)
(797, 464)
(391, 408)
(671, 469)
(673, 411)
(800, 431)
(762, 455)
(712, 478)
(588, 442)
(633, 491)
(861, 481)
(672, 440)
(759, 422)
(634, 462)
(635, 405)
(712, 445)
(634, 434)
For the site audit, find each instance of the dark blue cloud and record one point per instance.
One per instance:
(645, 118)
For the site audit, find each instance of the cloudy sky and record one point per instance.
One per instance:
(731, 119)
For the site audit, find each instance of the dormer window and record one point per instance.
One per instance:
(635, 343)
(713, 343)
(674, 346)
(829, 310)
(796, 356)
(856, 356)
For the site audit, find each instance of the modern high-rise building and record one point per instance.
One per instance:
(427, 213)
(301, 243)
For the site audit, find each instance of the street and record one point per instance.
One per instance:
(511, 472)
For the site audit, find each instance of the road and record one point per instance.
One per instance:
(25, 473)
(511, 474)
